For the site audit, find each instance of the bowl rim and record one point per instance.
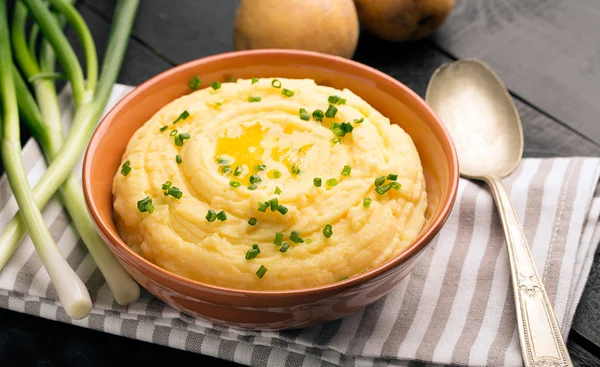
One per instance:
(412, 250)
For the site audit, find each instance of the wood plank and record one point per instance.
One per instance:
(546, 51)
(588, 311)
(581, 357)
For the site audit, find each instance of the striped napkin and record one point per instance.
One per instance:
(455, 307)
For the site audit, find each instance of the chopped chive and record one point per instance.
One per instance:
(347, 127)
(226, 170)
(234, 184)
(178, 159)
(185, 135)
(282, 209)
(126, 168)
(395, 185)
(344, 277)
(255, 179)
(218, 104)
(251, 254)
(163, 128)
(392, 177)
(342, 101)
(173, 132)
(254, 80)
(333, 99)
(336, 141)
(331, 111)
(295, 170)
(252, 221)
(276, 174)
(274, 203)
(166, 186)
(284, 247)
(317, 181)
(385, 188)
(175, 192)
(237, 171)
(222, 216)
(346, 171)
(295, 237)
(215, 85)
(304, 115)
(183, 116)
(327, 231)
(278, 239)
(260, 167)
(277, 190)
(308, 241)
(145, 205)
(331, 182)
(379, 181)
(252, 187)
(222, 160)
(261, 272)
(179, 139)
(336, 128)
(287, 92)
(366, 202)
(262, 206)
(276, 83)
(318, 115)
(211, 215)
(195, 83)
(231, 80)
(254, 99)
(359, 121)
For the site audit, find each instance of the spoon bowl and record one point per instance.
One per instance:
(479, 113)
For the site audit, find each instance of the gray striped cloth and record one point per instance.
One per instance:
(455, 307)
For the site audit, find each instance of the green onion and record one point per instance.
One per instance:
(254, 99)
(295, 170)
(336, 99)
(331, 111)
(211, 216)
(366, 202)
(276, 174)
(327, 230)
(336, 141)
(181, 117)
(255, 179)
(195, 83)
(346, 171)
(222, 160)
(344, 277)
(126, 168)
(215, 85)
(166, 186)
(277, 190)
(318, 115)
(284, 247)
(278, 239)
(180, 139)
(173, 132)
(385, 188)
(295, 237)
(251, 254)
(222, 216)
(396, 185)
(145, 205)
(359, 121)
(317, 182)
(252, 187)
(175, 192)
(226, 170)
(252, 221)
(260, 167)
(274, 203)
(237, 171)
(336, 128)
(287, 92)
(231, 80)
(234, 184)
(392, 177)
(347, 127)
(282, 209)
(261, 272)
(331, 182)
(276, 83)
(254, 80)
(304, 115)
(163, 128)
(218, 104)
(178, 159)
(308, 241)
(379, 181)
(262, 206)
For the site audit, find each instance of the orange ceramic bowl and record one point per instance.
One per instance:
(272, 309)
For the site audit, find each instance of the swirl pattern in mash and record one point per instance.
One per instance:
(254, 134)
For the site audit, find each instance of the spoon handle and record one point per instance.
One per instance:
(541, 340)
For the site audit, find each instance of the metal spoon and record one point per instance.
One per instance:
(479, 112)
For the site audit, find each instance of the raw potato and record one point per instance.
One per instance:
(403, 20)
(328, 26)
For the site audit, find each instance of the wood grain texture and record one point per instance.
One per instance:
(546, 51)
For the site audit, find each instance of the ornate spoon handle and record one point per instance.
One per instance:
(541, 341)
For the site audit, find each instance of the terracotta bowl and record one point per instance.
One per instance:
(272, 309)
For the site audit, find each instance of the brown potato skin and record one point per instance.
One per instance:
(327, 26)
(403, 20)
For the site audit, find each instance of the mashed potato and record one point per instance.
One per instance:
(269, 184)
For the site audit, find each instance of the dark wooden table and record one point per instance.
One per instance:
(547, 52)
